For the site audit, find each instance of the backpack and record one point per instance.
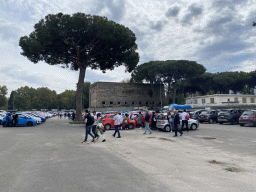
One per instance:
(187, 117)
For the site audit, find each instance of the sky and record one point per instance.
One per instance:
(215, 33)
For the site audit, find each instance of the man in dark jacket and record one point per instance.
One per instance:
(176, 123)
(89, 120)
(147, 120)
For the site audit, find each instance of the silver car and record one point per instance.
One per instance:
(162, 123)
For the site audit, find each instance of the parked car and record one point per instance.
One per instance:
(248, 117)
(162, 123)
(229, 116)
(195, 114)
(22, 120)
(108, 122)
(2, 115)
(208, 116)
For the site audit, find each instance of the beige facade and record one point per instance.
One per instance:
(221, 99)
(112, 94)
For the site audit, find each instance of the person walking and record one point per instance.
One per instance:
(140, 120)
(89, 120)
(99, 127)
(176, 123)
(117, 125)
(126, 121)
(184, 120)
(170, 120)
(153, 119)
(94, 126)
(147, 120)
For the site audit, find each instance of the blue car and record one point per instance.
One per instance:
(22, 120)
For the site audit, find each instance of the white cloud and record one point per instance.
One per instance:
(218, 35)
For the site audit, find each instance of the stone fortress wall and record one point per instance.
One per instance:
(119, 95)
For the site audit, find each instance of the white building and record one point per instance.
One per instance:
(221, 99)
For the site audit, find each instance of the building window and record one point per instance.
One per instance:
(133, 103)
(252, 100)
(125, 102)
(118, 102)
(160, 102)
(212, 100)
(236, 100)
(103, 102)
(244, 100)
(228, 100)
(111, 102)
(146, 103)
(195, 101)
(203, 101)
(153, 102)
(140, 102)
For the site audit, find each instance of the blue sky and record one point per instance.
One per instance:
(217, 34)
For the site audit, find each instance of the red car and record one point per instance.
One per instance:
(108, 122)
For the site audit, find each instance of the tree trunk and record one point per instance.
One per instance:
(174, 93)
(79, 94)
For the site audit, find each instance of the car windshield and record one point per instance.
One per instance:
(248, 113)
(205, 112)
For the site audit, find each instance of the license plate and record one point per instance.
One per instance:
(222, 116)
(245, 117)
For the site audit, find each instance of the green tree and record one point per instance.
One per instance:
(3, 93)
(175, 71)
(67, 99)
(79, 41)
(148, 72)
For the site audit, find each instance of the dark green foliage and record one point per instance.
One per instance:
(3, 93)
(79, 41)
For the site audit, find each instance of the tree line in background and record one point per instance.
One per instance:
(28, 98)
(183, 78)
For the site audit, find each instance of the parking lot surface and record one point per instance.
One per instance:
(50, 157)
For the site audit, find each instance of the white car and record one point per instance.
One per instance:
(162, 123)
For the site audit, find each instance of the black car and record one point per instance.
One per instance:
(229, 116)
(208, 116)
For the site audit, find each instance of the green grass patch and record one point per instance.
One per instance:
(77, 122)
(233, 169)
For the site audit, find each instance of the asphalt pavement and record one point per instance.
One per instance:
(51, 157)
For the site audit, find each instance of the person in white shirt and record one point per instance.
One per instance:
(184, 120)
(117, 124)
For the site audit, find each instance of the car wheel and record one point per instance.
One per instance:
(29, 123)
(210, 120)
(107, 127)
(167, 128)
(232, 122)
(220, 122)
(4, 123)
(193, 126)
(130, 126)
(241, 124)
